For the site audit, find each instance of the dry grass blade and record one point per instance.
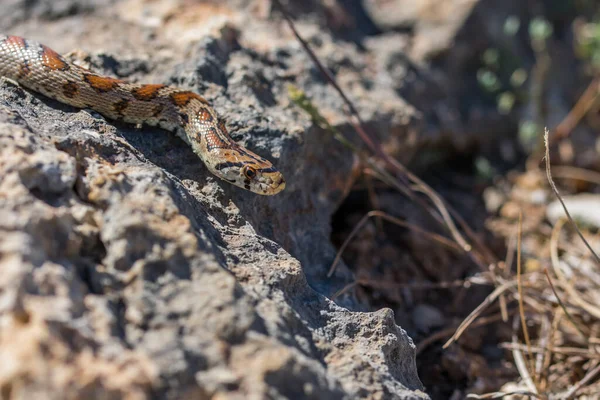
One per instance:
(545, 337)
(476, 312)
(443, 210)
(555, 190)
(520, 291)
(550, 350)
(568, 172)
(522, 366)
(574, 296)
(303, 102)
(344, 290)
(446, 212)
(583, 105)
(503, 395)
(380, 214)
(373, 199)
(568, 351)
(587, 378)
(426, 285)
(562, 305)
(508, 260)
(423, 344)
(475, 280)
(368, 140)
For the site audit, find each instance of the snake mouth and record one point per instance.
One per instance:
(280, 185)
(277, 186)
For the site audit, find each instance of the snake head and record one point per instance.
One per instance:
(250, 171)
(225, 158)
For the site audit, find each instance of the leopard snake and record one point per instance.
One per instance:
(41, 69)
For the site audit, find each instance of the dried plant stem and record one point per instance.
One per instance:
(466, 283)
(504, 395)
(445, 211)
(574, 296)
(555, 190)
(568, 172)
(380, 214)
(475, 313)
(521, 295)
(562, 305)
(374, 201)
(567, 351)
(583, 105)
(423, 344)
(592, 373)
(522, 367)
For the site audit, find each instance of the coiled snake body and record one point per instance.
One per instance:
(41, 69)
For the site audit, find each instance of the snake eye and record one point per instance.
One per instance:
(249, 172)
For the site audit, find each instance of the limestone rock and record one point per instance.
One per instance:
(128, 271)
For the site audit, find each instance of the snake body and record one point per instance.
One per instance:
(41, 69)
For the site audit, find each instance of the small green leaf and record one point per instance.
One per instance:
(518, 77)
(512, 25)
(490, 57)
(488, 80)
(484, 168)
(506, 101)
(528, 134)
(540, 29)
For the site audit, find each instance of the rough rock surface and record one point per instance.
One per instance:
(130, 272)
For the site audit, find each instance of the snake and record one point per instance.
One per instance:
(183, 112)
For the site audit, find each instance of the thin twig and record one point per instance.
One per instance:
(520, 291)
(358, 125)
(549, 175)
(373, 200)
(562, 305)
(550, 350)
(569, 172)
(574, 296)
(380, 214)
(522, 367)
(477, 311)
(583, 105)
(423, 344)
(588, 377)
(466, 283)
(567, 351)
(344, 290)
(504, 395)
(299, 97)
(508, 260)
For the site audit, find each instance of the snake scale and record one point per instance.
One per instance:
(41, 69)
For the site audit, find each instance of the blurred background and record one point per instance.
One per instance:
(411, 134)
